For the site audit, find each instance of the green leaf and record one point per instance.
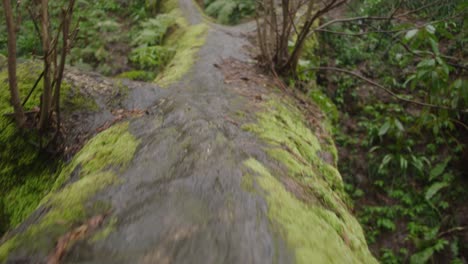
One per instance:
(411, 78)
(422, 256)
(430, 29)
(384, 129)
(434, 189)
(373, 149)
(434, 46)
(386, 224)
(403, 163)
(399, 125)
(410, 34)
(438, 170)
(385, 161)
(440, 245)
(426, 63)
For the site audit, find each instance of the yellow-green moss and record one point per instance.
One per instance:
(26, 175)
(113, 147)
(318, 230)
(295, 145)
(313, 233)
(248, 183)
(93, 169)
(136, 75)
(187, 41)
(169, 5)
(27, 74)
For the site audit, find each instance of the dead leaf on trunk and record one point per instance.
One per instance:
(79, 233)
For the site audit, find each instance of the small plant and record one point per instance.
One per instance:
(151, 58)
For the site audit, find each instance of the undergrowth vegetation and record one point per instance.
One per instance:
(229, 11)
(26, 174)
(136, 40)
(113, 37)
(148, 53)
(403, 162)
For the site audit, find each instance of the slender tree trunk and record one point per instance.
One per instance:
(46, 101)
(66, 21)
(13, 83)
(284, 37)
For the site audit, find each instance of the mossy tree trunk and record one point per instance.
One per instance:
(13, 83)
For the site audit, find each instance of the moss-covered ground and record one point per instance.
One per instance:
(92, 169)
(187, 40)
(314, 217)
(26, 175)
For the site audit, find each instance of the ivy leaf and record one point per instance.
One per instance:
(434, 189)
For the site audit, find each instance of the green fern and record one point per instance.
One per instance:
(153, 31)
(229, 11)
(151, 58)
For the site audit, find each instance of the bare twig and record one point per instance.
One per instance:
(375, 84)
(452, 230)
(33, 88)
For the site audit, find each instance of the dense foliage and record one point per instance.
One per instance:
(404, 162)
(229, 11)
(110, 35)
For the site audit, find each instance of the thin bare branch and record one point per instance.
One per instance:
(390, 92)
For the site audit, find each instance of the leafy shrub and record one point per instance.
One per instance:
(229, 11)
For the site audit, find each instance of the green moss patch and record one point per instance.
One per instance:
(93, 168)
(187, 41)
(315, 234)
(321, 230)
(144, 76)
(25, 174)
(295, 145)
